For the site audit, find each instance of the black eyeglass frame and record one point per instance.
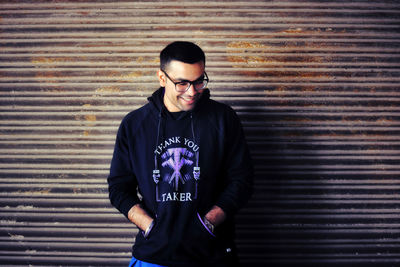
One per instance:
(190, 82)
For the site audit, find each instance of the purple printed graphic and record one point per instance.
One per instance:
(176, 158)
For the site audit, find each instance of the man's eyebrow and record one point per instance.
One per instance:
(185, 80)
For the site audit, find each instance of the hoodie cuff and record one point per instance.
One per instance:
(127, 205)
(229, 209)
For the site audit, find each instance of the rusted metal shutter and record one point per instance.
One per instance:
(316, 86)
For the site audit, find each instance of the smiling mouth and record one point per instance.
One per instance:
(189, 100)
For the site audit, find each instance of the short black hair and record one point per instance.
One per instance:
(186, 52)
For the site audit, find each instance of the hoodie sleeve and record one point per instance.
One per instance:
(122, 184)
(238, 169)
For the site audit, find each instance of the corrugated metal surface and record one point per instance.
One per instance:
(315, 83)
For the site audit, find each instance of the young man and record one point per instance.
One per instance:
(181, 168)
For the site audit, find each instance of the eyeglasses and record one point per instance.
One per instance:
(183, 86)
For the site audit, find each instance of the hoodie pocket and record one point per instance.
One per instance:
(152, 246)
(198, 243)
(204, 225)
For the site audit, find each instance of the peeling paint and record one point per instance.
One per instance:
(77, 190)
(8, 222)
(23, 207)
(86, 106)
(291, 30)
(16, 237)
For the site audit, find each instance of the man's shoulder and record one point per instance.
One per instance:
(220, 110)
(137, 116)
(218, 115)
(219, 106)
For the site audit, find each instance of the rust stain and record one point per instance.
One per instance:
(181, 14)
(48, 75)
(87, 119)
(51, 76)
(242, 55)
(291, 30)
(384, 121)
(84, 13)
(104, 90)
(93, 45)
(130, 76)
(281, 89)
(313, 75)
(120, 60)
(36, 192)
(242, 44)
(50, 60)
(288, 74)
(308, 31)
(254, 74)
(155, 61)
(91, 118)
(140, 60)
(309, 88)
(234, 48)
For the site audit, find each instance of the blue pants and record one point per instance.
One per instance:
(137, 263)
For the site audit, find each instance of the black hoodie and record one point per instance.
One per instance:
(178, 166)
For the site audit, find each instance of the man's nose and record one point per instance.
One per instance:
(191, 91)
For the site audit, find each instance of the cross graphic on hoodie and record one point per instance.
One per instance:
(176, 158)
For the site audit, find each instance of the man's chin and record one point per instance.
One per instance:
(187, 105)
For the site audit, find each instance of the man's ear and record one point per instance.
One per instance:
(161, 78)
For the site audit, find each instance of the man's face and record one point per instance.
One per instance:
(179, 71)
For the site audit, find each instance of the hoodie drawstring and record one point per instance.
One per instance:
(196, 169)
(156, 171)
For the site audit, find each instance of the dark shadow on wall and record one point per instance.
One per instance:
(276, 227)
(311, 206)
(280, 222)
